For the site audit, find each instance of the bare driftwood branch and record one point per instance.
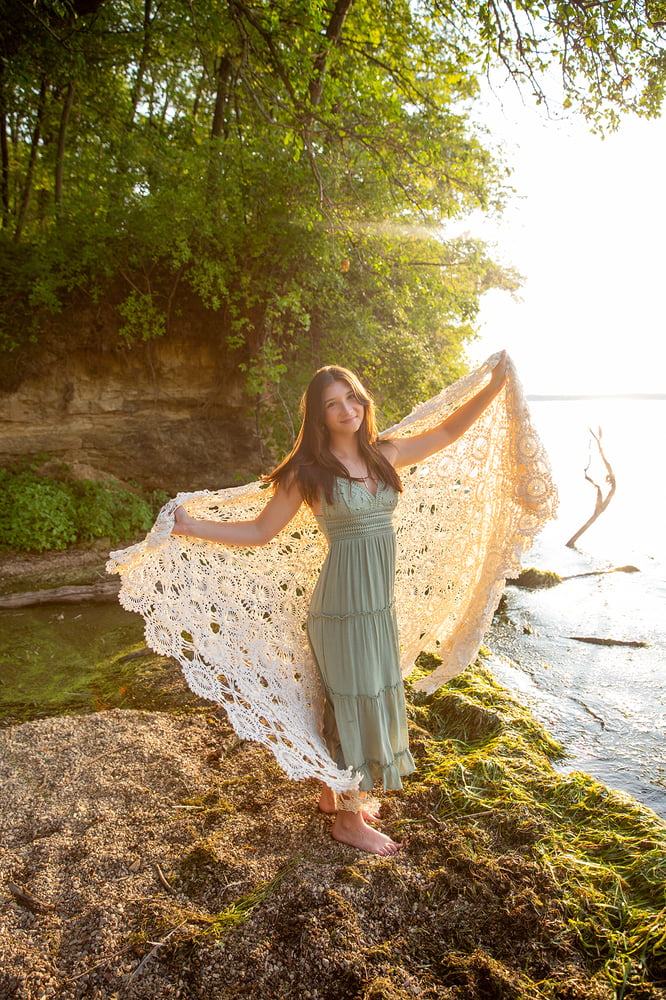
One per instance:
(163, 879)
(602, 501)
(97, 592)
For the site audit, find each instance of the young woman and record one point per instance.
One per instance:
(348, 477)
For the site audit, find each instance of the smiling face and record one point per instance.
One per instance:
(342, 411)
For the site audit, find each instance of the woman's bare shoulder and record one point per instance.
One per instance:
(389, 449)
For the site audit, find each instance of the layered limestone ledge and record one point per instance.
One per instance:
(170, 414)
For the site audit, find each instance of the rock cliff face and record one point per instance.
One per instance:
(169, 414)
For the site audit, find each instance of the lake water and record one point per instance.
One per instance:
(606, 704)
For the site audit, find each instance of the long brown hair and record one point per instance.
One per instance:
(311, 463)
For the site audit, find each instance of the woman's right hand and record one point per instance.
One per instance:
(181, 522)
(258, 530)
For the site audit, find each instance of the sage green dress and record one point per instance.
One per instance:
(353, 635)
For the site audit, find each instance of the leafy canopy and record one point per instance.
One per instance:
(280, 170)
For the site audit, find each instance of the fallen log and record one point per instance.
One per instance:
(537, 579)
(597, 641)
(107, 590)
(137, 655)
(602, 572)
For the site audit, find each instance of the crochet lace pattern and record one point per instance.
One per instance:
(234, 618)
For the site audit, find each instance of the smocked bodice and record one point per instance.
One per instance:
(356, 513)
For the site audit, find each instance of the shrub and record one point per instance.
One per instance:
(39, 513)
(109, 510)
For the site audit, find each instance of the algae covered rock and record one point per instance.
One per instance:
(536, 579)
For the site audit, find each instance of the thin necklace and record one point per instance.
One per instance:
(360, 479)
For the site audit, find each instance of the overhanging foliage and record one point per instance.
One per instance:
(290, 164)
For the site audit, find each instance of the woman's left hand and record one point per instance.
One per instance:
(498, 377)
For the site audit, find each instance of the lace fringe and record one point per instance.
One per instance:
(356, 802)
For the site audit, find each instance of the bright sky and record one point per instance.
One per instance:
(588, 231)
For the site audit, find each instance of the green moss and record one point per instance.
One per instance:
(490, 763)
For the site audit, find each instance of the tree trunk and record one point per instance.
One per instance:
(137, 90)
(219, 127)
(222, 79)
(27, 186)
(62, 135)
(316, 88)
(4, 152)
(257, 424)
(105, 591)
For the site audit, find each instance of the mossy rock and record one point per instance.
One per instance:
(536, 579)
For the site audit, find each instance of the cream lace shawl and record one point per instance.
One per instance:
(234, 617)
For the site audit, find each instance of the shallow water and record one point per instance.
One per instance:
(54, 658)
(606, 704)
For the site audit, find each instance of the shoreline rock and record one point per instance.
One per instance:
(75, 566)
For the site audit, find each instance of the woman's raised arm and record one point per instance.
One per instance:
(411, 451)
(259, 530)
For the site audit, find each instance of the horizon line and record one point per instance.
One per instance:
(533, 396)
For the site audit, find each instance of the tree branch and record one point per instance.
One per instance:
(333, 35)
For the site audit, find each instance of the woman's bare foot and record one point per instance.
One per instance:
(351, 828)
(327, 802)
(328, 805)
